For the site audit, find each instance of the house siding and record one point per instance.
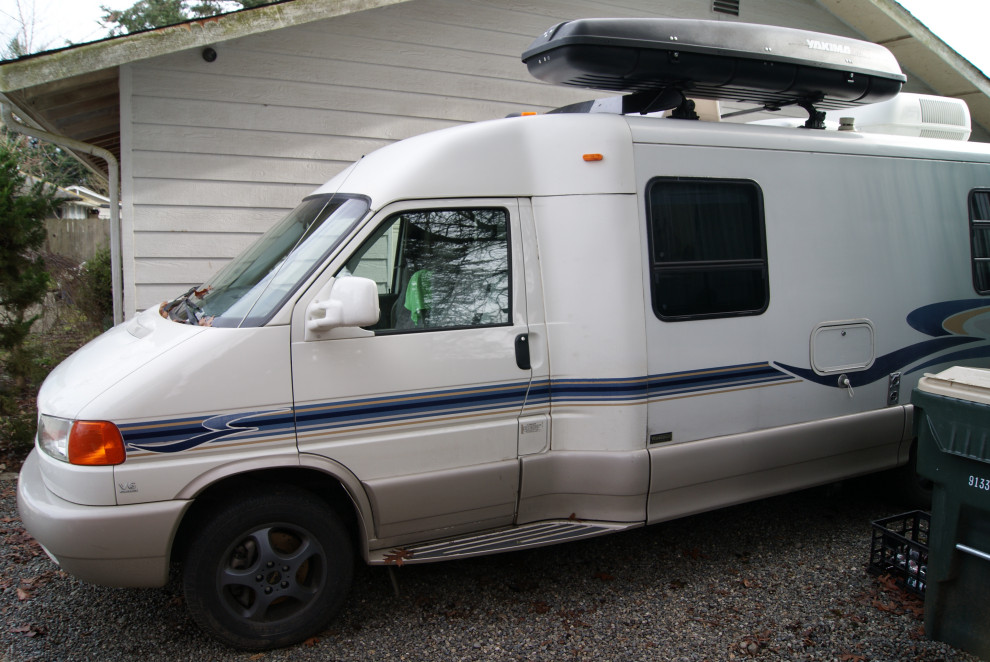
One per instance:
(215, 153)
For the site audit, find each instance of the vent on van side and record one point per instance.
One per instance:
(726, 7)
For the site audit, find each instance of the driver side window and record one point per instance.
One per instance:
(439, 269)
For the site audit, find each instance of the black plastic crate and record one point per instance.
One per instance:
(900, 549)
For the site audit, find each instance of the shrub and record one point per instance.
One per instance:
(95, 290)
(23, 285)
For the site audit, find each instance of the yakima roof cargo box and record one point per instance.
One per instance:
(760, 64)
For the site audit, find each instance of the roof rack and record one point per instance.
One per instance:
(658, 61)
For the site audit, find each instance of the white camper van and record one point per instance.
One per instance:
(532, 330)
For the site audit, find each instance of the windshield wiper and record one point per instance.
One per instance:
(193, 313)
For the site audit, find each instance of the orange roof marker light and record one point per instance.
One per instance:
(593, 157)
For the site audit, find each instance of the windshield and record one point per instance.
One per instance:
(249, 290)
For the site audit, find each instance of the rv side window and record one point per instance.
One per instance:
(708, 252)
(439, 269)
(979, 223)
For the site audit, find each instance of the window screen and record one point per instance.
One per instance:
(708, 251)
(439, 269)
(979, 224)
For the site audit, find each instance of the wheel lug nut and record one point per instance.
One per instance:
(271, 564)
(258, 578)
(285, 584)
(268, 590)
(285, 568)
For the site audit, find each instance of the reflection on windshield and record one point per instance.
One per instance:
(249, 290)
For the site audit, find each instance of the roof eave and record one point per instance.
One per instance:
(94, 56)
(919, 31)
(920, 52)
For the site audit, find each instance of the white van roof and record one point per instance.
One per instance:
(523, 156)
(545, 155)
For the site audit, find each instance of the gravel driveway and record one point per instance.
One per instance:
(779, 579)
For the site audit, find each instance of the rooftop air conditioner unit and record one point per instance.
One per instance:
(918, 115)
(908, 114)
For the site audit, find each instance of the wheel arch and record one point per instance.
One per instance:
(329, 480)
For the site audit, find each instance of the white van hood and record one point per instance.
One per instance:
(107, 360)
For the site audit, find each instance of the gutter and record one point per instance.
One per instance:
(113, 171)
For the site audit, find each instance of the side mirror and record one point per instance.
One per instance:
(345, 302)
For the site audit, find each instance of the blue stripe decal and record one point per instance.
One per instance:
(950, 324)
(183, 434)
(639, 389)
(930, 319)
(884, 365)
(981, 352)
(629, 390)
(749, 374)
(412, 407)
(166, 437)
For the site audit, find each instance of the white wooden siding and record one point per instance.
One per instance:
(216, 152)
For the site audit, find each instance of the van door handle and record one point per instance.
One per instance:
(522, 351)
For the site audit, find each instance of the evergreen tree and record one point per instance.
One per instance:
(23, 278)
(53, 164)
(149, 14)
(15, 49)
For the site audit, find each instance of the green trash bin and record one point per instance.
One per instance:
(952, 420)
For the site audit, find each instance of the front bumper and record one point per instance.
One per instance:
(110, 545)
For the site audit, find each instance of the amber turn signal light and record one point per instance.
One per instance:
(95, 443)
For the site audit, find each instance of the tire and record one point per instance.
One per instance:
(268, 570)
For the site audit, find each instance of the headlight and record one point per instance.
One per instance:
(53, 436)
(91, 443)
